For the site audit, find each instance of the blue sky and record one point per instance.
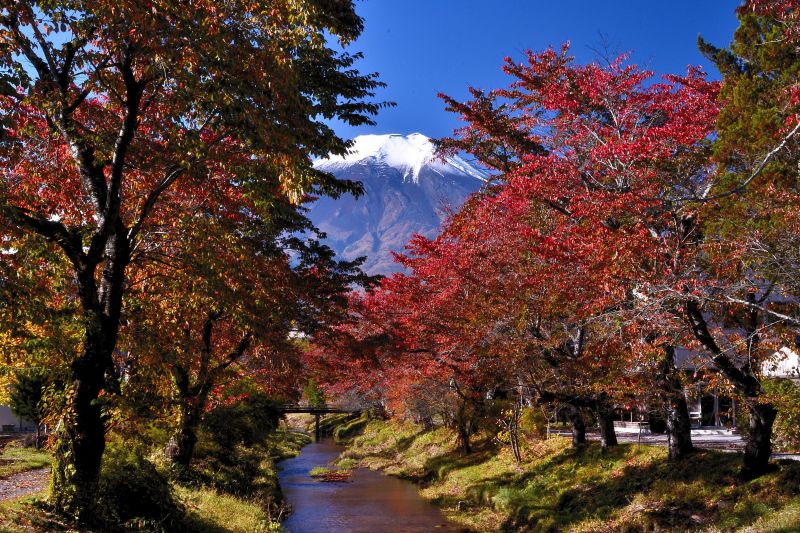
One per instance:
(421, 47)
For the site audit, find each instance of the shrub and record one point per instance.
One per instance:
(232, 452)
(133, 495)
(247, 422)
(533, 423)
(785, 395)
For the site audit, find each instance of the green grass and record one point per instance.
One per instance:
(208, 509)
(629, 488)
(214, 511)
(320, 471)
(14, 460)
(284, 444)
(14, 513)
(211, 511)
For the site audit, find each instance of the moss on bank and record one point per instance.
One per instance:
(630, 488)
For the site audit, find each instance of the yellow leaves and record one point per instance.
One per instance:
(7, 344)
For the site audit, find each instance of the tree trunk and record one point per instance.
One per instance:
(463, 438)
(758, 448)
(180, 448)
(38, 435)
(80, 443)
(679, 428)
(605, 419)
(578, 429)
(192, 401)
(463, 422)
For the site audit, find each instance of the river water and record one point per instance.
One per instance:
(370, 503)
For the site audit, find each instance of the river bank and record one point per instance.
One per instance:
(630, 488)
(242, 496)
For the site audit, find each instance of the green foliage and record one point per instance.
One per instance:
(238, 446)
(27, 395)
(785, 395)
(247, 422)
(132, 493)
(533, 423)
(313, 394)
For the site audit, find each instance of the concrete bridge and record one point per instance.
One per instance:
(317, 412)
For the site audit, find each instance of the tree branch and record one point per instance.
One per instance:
(151, 200)
(70, 242)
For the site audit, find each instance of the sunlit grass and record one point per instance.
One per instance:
(557, 488)
(212, 511)
(14, 460)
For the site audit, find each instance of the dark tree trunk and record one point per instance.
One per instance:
(605, 419)
(578, 429)
(191, 400)
(758, 448)
(465, 426)
(80, 440)
(463, 438)
(180, 449)
(679, 426)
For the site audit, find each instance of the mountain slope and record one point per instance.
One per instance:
(407, 191)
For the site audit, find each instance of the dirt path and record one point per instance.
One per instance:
(24, 483)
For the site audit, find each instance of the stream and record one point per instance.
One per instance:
(372, 502)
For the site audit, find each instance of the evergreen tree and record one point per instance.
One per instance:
(26, 398)
(752, 207)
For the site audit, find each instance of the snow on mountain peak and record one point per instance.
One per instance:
(408, 153)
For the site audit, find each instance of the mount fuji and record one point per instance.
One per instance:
(408, 190)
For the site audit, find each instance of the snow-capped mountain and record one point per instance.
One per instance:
(407, 191)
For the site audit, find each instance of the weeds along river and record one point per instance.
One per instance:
(370, 503)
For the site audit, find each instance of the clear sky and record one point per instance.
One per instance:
(421, 47)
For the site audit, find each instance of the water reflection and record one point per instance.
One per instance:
(371, 503)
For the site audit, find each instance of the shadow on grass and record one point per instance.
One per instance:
(645, 492)
(195, 524)
(628, 487)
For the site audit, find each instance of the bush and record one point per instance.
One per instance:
(133, 495)
(785, 395)
(248, 422)
(232, 452)
(533, 423)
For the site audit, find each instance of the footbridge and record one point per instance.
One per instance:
(317, 412)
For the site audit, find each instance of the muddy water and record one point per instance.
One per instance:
(370, 503)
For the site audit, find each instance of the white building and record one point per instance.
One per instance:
(11, 422)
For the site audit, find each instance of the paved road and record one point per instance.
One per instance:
(24, 483)
(730, 442)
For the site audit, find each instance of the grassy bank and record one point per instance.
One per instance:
(237, 493)
(242, 496)
(555, 488)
